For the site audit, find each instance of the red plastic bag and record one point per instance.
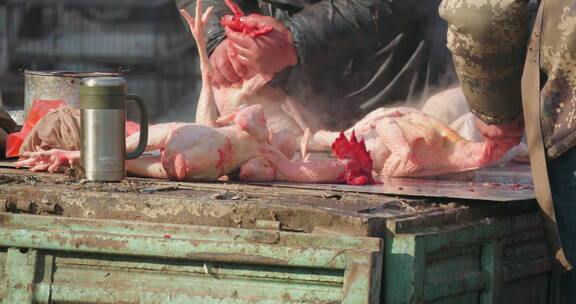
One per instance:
(39, 109)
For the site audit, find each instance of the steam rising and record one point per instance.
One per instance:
(404, 71)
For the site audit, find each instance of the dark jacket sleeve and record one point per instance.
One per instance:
(327, 31)
(214, 31)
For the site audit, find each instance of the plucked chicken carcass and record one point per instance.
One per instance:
(187, 151)
(450, 107)
(408, 142)
(195, 152)
(284, 116)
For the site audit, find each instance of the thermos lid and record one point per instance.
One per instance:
(102, 93)
(103, 86)
(73, 74)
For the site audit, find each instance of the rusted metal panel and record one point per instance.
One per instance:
(116, 282)
(199, 206)
(157, 246)
(186, 279)
(530, 291)
(20, 271)
(3, 254)
(97, 261)
(492, 265)
(446, 274)
(189, 232)
(361, 283)
(437, 251)
(474, 262)
(405, 265)
(467, 298)
(235, 205)
(488, 184)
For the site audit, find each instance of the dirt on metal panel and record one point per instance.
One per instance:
(226, 204)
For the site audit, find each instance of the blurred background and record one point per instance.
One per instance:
(144, 38)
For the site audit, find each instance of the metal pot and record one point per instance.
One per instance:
(56, 85)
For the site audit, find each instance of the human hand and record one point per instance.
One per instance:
(226, 71)
(264, 54)
(506, 135)
(50, 160)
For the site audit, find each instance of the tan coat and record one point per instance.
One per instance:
(488, 41)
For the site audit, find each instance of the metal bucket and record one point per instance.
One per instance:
(56, 85)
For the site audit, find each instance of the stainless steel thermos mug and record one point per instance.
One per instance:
(103, 122)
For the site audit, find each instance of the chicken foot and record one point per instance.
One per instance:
(206, 111)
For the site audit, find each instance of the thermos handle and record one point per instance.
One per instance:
(143, 140)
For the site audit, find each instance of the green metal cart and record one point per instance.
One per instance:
(148, 241)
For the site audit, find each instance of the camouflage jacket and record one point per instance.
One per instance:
(488, 41)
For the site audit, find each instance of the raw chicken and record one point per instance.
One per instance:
(408, 142)
(194, 152)
(187, 151)
(352, 166)
(450, 107)
(284, 115)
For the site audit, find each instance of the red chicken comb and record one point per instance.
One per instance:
(359, 166)
(235, 22)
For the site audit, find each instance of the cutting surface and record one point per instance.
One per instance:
(339, 209)
(511, 183)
